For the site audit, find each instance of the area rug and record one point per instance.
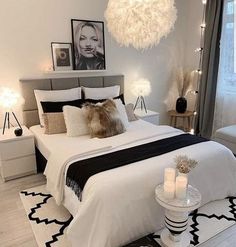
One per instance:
(49, 222)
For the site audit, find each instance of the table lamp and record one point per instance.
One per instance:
(8, 100)
(141, 88)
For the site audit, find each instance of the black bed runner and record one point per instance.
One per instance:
(80, 171)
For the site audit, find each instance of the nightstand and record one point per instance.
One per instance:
(17, 154)
(150, 116)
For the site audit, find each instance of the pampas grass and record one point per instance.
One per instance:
(184, 80)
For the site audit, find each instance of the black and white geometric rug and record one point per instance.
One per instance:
(49, 222)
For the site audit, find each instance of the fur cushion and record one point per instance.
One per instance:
(103, 119)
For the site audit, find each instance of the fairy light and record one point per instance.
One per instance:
(200, 50)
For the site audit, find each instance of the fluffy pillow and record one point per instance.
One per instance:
(103, 119)
(130, 112)
(101, 93)
(75, 121)
(55, 95)
(54, 123)
(50, 106)
(123, 115)
(95, 101)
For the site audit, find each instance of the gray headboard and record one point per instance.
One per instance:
(30, 110)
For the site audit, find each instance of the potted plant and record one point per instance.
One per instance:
(184, 80)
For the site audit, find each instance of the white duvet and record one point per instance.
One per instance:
(119, 205)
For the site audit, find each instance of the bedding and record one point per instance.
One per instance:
(101, 93)
(103, 119)
(54, 123)
(118, 205)
(75, 121)
(55, 95)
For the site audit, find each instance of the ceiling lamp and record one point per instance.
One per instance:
(140, 23)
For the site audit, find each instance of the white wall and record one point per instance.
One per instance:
(28, 28)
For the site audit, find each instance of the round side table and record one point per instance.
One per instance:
(176, 216)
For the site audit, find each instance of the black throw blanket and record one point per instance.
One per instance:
(80, 171)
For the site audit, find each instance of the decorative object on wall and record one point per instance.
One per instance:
(184, 80)
(61, 56)
(88, 45)
(141, 88)
(140, 23)
(8, 100)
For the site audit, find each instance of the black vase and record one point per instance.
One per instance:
(181, 105)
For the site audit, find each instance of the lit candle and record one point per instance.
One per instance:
(169, 174)
(169, 190)
(181, 187)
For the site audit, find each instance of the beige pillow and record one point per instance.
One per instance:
(130, 112)
(103, 119)
(54, 123)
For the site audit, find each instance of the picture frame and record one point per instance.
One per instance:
(62, 57)
(88, 44)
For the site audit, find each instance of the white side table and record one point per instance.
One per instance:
(176, 216)
(149, 116)
(17, 154)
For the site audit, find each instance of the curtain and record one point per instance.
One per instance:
(210, 64)
(225, 113)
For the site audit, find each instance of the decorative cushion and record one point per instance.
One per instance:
(75, 121)
(123, 115)
(55, 95)
(101, 93)
(50, 106)
(95, 101)
(54, 123)
(103, 119)
(130, 112)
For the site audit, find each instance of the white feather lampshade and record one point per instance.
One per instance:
(140, 23)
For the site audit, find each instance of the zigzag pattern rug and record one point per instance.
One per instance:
(49, 222)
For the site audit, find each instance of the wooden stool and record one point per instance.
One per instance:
(186, 116)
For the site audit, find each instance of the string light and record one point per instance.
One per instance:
(200, 49)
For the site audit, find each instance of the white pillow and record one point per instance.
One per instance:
(55, 95)
(75, 121)
(101, 92)
(122, 111)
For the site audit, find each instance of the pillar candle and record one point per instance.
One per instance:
(169, 174)
(169, 189)
(181, 187)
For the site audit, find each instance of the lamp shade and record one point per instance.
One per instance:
(140, 23)
(9, 99)
(141, 87)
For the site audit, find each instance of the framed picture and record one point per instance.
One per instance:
(88, 45)
(62, 56)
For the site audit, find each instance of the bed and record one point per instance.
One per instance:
(118, 205)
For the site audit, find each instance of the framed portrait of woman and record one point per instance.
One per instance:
(88, 44)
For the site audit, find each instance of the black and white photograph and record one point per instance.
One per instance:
(88, 44)
(62, 56)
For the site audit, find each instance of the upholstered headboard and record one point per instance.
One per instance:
(30, 110)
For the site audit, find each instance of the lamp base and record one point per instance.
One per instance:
(7, 121)
(142, 102)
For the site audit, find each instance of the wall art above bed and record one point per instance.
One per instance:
(61, 56)
(88, 45)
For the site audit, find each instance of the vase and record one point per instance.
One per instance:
(181, 105)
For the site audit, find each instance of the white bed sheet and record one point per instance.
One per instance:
(110, 216)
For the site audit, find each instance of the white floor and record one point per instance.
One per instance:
(15, 229)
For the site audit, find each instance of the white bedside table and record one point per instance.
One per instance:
(176, 216)
(17, 154)
(150, 116)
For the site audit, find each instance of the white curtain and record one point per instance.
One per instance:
(225, 110)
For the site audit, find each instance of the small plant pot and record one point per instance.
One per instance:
(181, 105)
